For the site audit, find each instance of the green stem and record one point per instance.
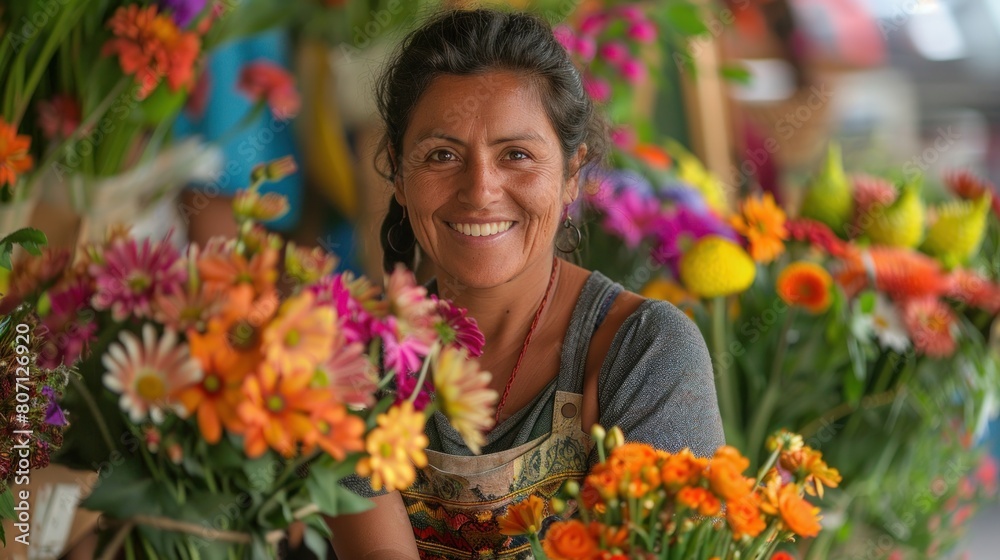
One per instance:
(423, 373)
(536, 547)
(727, 397)
(772, 394)
(95, 411)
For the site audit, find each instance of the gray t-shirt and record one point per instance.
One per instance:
(656, 383)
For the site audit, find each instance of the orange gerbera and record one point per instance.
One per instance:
(14, 157)
(395, 445)
(336, 431)
(805, 284)
(901, 273)
(762, 222)
(221, 268)
(975, 290)
(299, 337)
(801, 517)
(682, 469)
(150, 46)
(569, 540)
(725, 474)
(524, 517)
(217, 396)
(277, 409)
(233, 337)
(808, 466)
(744, 517)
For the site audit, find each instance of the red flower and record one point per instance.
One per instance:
(14, 157)
(150, 46)
(971, 187)
(817, 234)
(59, 117)
(975, 290)
(265, 81)
(901, 273)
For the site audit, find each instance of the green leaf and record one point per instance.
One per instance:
(123, 489)
(332, 498)
(6, 510)
(686, 18)
(316, 542)
(737, 74)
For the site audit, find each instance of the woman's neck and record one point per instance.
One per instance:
(502, 312)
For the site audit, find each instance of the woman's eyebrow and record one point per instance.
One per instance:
(529, 136)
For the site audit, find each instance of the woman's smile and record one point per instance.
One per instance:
(484, 229)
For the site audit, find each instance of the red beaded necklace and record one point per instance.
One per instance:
(527, 339)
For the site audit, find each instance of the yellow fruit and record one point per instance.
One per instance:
(830, 198)
(715, 266)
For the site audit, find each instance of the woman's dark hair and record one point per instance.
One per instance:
(472, 42)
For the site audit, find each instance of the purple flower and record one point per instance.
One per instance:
(682, 195)
(183, 11)
(677, 231)
(53, 414)
(632, 216)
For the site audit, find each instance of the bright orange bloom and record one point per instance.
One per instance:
(336, 431)
(682, 469)
(14, 157)
(975, 290)
(700, 499)
(233, 337)
(395, 445)
(801, 517)
(725, 474)
(262, 80)
(901, 273)
(652, 155)
(744, 517)
(808, 466)
(299, 337)
(221, 268)
(632, 458)
(602, 482)
(762, 222)
(782, 555)
(150, 46)
(277, 409)
(569, 540)
(931, 324)
(805, 284)
(524, 517)
(217, 396)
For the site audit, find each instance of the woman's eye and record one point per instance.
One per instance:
(517, 155)
(441, 156)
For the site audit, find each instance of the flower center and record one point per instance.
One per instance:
(385, 449)
(138, 282)
(275, 403)
(242, 336)
(292, 338)
(150, 386)
(881, 322)
(212, 383)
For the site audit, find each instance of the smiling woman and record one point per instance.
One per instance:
(487, 128)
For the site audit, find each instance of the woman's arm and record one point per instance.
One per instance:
(381, 533)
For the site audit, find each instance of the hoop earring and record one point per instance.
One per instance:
(575, 236)
(389, 235)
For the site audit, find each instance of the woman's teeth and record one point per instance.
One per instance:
(481, 230)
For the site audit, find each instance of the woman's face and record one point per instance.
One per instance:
(482, 177)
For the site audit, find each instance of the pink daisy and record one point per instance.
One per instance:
(458, 329)
(407, 300)
(130, 276)
(932, 326)
(70, 323)
(356, 301)
(404, 349)
(349, 374)
(149, 373)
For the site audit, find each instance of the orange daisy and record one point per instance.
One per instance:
(808, 466)
(14, 157)
(395, 445)
(150, 46)
(805, 284)
(220, 268)
(234, 336)
(217, 396)
(299, 337)
(336, 431)
(762, 222)
(524, 517)
(900, 273)
(277, 409)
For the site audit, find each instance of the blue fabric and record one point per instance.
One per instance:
(263, 139)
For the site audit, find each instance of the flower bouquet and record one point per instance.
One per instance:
(224, 391)
(640, 502)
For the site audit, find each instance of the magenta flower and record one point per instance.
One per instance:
(406, 385)
(131, 276)
(53, 414)
(183, 11)
(678, 230)
(631, 13)
(404, 352)
(623, 137)
(631, 216)
(633, 71)
(564, 34)
(594, 23)
(354, 311)
(459, 330)
(597, 88)
(643, 31)
(585, 48)
(614, 52)
(70, 323)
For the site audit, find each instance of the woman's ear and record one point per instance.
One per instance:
(573, 181)
(397, 182)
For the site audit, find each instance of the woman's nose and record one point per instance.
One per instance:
(482, 185)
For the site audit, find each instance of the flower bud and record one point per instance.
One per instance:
(572, 488)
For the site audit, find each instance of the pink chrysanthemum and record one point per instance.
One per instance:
(407, 300)
(70, 324)
(148, 373)
(130, 276)
(677, 231)
(931, 325)
(458, 329)
(404, 348)
(349, 374)
(356, 301)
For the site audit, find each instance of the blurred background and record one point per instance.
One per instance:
(755, 89)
